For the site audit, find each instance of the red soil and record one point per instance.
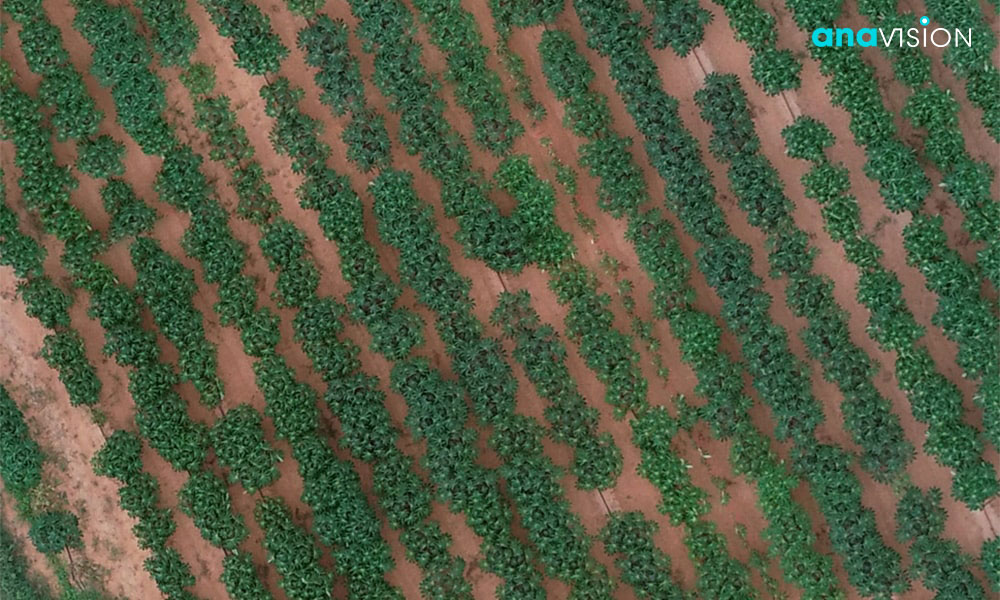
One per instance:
(69, 432)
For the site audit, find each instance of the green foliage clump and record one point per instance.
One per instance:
(773, 69)
(199, 79)
(119, 457)
(367, 141)
(523, 13)
(45, 302)
(174, 34)
(18, 250)
(20, 457)
(258, 50)
(239, 575)
(940, 563)
(776, 70)
(239, 442)
(130, 216)
(807, 139)
(629, 537)
(206, 500)
(990, 562)
(101, 157)
(679, 24)
(339, 73)
(54, 531)
(293, 552)
(535, 212)
(171, 574)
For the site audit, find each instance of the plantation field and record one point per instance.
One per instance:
(518, 299)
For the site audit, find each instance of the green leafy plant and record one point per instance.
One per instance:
(101, 157)
(174, 34)
(130, 216)
(54, 531)
(679, 24)
(239, 443)
(257, 48)
(20, 456)
(293, 552)
(199, 78)
(629, 537)
(239, 575)
(205, 499)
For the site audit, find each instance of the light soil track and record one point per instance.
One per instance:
(55, 422)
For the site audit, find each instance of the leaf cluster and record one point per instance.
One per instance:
(174, 35)
(258, 50)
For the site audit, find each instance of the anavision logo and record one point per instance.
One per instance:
(899, 37)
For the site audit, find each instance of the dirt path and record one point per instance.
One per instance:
(68, 438)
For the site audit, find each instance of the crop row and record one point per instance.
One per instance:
(597, 461)
(407, 224)
(938, 562)
(335, 88)
(353, 396)
(296, 137)
(774, 70)
(972, 63)
(569, 76)
(526, 177)
(331, 486)
(477, 88)
(962, 313)
(180, 183)
(933, 109)
(257, 48)
(62, 349)
(933, 399)
(482, 502)
(75, 116)
(758, 189)
(51, 529)
(778, 376)
(867, 414)
(161, 415)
